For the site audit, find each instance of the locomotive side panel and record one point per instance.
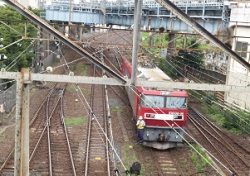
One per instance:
(126, 71)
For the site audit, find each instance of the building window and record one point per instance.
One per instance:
(241, 49)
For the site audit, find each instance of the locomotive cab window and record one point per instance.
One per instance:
(176, 102)
(152, 101)
(163, 102)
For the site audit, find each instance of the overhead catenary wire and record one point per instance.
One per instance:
(239, 77)
(239, 116)
(66, 64)
(90, 112)
(11, 28)
(195, 149)
(184, 138)
(189, 143)
(207, 98)
(188, 48)
(14, 62)
(94, 116)
(7, 82)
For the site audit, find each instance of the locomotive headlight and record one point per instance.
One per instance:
(177, 135)
(152, 116)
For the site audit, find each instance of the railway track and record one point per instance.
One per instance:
(232, 156)
(38, 142)
(97, 157)
(36, 127)
(52, 152)
(164, 163)
(49, 145)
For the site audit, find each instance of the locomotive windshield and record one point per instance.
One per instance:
(163, 102)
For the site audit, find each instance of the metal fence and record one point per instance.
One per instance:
(48, 61)
(8, 97)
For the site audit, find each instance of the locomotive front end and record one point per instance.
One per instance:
(165, 116)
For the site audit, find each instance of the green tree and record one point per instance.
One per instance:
(192, 56)
(12, 29)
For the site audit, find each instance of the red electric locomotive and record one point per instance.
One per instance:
(164, 111)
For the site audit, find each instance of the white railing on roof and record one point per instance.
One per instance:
(56, 4)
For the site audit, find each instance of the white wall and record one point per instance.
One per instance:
(32, 3)
(237, 74)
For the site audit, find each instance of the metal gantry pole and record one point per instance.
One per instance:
(136, 36)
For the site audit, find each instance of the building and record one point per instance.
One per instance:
(237, 74)
(27, 3)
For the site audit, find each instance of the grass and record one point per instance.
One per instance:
(71, 88)
(223, 118)
(144, 38)
(82, 68)
(237, 122)
(200, 163)
(115, 109)
(72, 121)
(126, 150)
(130, 157)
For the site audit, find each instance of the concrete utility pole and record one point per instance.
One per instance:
(136, 37)
(21, 162)
(70, 6)
(104, 13)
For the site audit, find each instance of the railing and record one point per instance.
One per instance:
(56, 5)
(8, 98)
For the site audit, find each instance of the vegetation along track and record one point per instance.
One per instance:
(232, 157)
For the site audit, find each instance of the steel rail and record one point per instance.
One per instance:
(37, 144)
(218, 129)
(48, 136)
(48, 95)
(31, 16)
(31, 122)
(221, 154)
(46, 123)
(7, 159)
(89, 129)
(223, 142)
(106, 127)
(105, 102)
(66, 135)
(110, 131)
(202, 31)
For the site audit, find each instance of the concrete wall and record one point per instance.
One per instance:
(32, 3)
(237, 74)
